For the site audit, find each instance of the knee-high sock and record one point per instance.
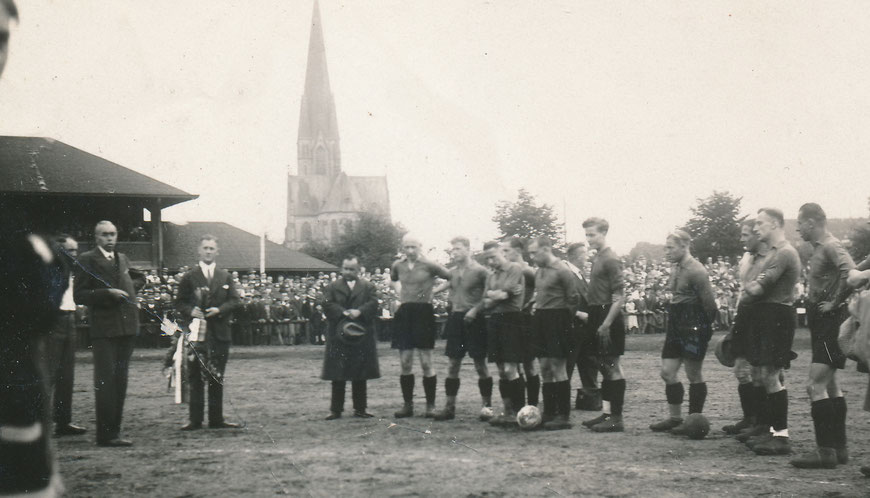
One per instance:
(451, 386)
(430, 384)
(485, 387)
(747, 401)
(823, 418)
(675, 393)
(606, 395)
(617, 396)
(504, 390)
(336, 403)
(697, 397)
(407, 383)
(564, 406)
(762, 407)
(518, 391)
(839, 422)
(778, 410)
(533, 388)
(547, 389)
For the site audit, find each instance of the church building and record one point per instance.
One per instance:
(322, 200)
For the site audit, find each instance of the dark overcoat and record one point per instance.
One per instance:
(350, 360)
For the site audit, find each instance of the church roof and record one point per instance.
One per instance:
(44, 166)
(317, 117)
(239, 249)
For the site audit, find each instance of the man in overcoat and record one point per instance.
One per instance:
(350, 304)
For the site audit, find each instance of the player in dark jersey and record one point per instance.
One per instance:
(530, 366)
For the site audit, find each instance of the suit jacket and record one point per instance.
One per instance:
(109, 316)
(346, 360)
(221, 294)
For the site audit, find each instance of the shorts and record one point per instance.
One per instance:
(465, 337)
(528, 338)
(824, 331)
(414, 327)
(553, 329)
(597, 314)
(504, 332)
(689, 332)
(770, 335)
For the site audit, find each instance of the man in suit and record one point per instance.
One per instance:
(62, 347)
(589, 396)
(104, 283)
(207, 293)
(354, 359)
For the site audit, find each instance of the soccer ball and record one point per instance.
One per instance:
(697, 426)
(529, 417)
(486, 413)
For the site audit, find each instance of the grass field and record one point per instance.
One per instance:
(287, 448)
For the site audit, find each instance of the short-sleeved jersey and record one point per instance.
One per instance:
(466, 285)
(508, 278)
(554, 287)
(829, 268)
(605, 281)
(779, 274)
(417, 280)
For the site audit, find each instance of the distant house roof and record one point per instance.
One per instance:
(44, 166)
(239, 250)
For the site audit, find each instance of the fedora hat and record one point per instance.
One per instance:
(350, 331)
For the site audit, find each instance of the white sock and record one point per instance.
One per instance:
(605, 407)
(782, 433)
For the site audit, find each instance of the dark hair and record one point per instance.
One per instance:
(543, 241)
(62, 237)
(575, 247)
(774, 213)
(517, 243)
(460, 240)
(10, 7)
(489, 245)
(600, 224)
(812, 211)
(681, 236)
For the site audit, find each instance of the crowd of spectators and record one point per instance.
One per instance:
(286, 310)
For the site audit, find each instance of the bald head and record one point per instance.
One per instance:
(411, 247)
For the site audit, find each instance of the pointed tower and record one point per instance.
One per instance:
(321, 199)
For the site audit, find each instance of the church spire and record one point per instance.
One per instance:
(318, 143)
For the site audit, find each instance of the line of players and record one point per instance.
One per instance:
(549, 318)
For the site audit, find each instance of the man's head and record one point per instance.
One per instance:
(811, 221)
(596, 232)
(460, 249)
(768, 224)
(106, 235)
(541, 250)
(411, 247)
(495, 254)
(514, 248)
(8, 12)
(208, 248)
(68, 244)
(350, 268)
(748, 237)
(577, 254)
(677, 245)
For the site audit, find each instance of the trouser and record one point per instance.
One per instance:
(111, 364)
(358, 393)
(61, 362)
(213, 354)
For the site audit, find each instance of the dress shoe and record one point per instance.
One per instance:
(191, 427)
(69, 430)
(733, 429)
(406, 411)
(777, 445)
(448, 413)
(559, 423)
(362, 414)
(820, 458)
(597, 420)
(609, 425)
(115, 443)
(665, 425)
(333, 416)
(756, 440)
(224, 425)
(842, 455)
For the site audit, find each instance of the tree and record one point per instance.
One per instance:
(650, 252)
(859, 241)
(715, 226)
(525, 218)
(372, 238)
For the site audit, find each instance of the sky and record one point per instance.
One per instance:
(624, 110)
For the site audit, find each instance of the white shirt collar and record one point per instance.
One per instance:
(207, 269)
(106, 254)
(350, 283)
(575, 270)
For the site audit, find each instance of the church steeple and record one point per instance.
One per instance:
(318, 150)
